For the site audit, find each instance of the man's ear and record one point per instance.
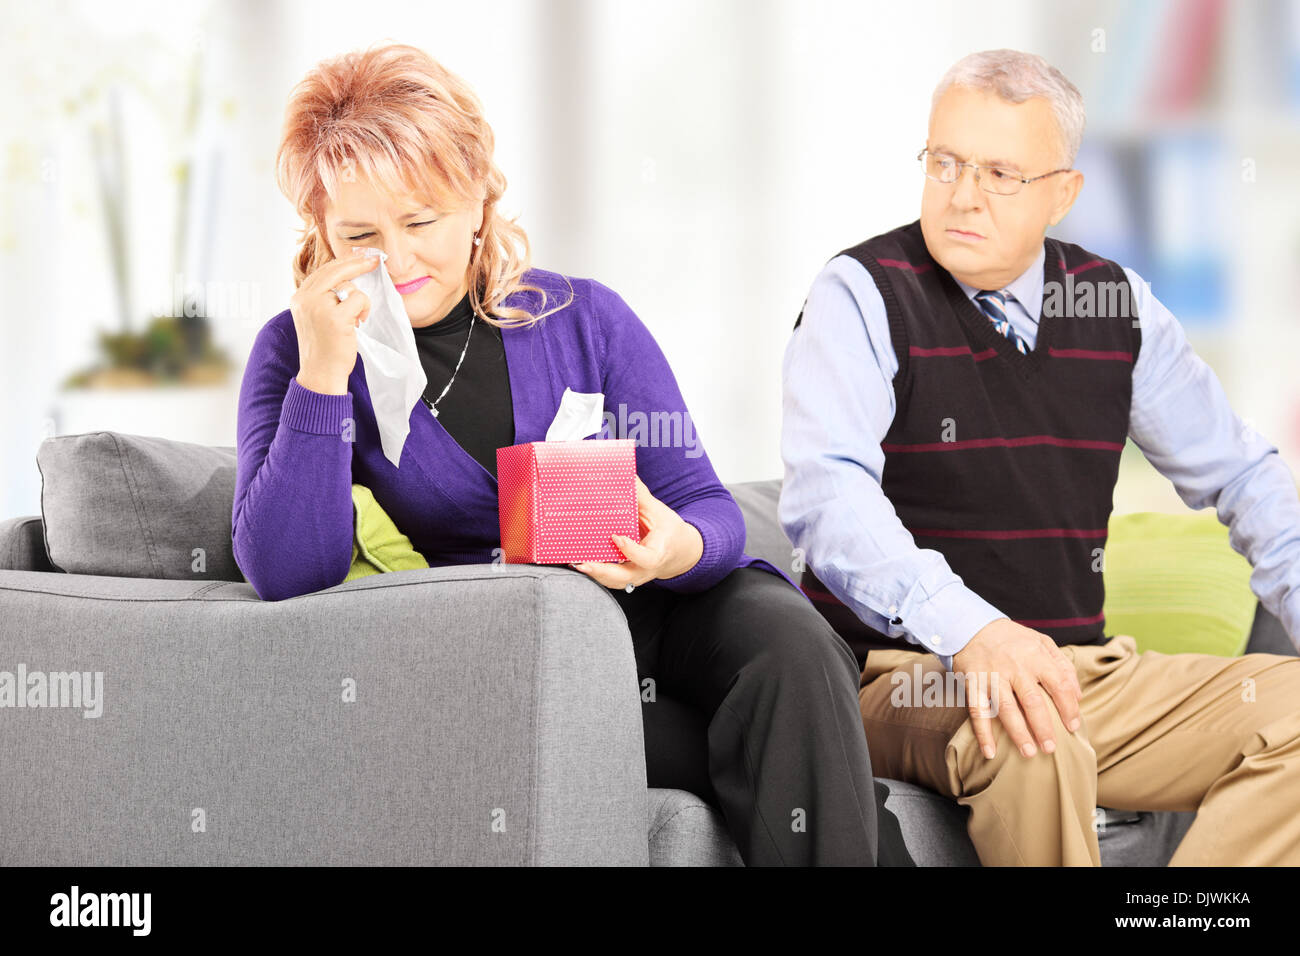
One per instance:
(1067, 191)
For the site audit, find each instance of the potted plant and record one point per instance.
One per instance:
(171, 349)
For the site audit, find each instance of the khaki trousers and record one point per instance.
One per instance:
(1217, 735)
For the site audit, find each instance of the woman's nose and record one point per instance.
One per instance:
(401, 261)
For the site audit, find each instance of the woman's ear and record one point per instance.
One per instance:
(482, 208)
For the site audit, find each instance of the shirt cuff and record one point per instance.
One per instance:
(314, 412)
(944, 622)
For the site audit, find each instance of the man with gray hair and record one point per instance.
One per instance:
(952, 433)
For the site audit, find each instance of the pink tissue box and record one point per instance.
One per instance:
(560, 501)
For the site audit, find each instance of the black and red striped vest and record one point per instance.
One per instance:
(1004, 463)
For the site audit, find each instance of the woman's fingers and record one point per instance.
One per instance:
(354, 299)
(647, 505)
(334, 273)
(637, 553)
(643, 560)
(643, 496)
(597, 572)
(613, 575)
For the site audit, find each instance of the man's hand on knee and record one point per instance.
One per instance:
(1019, 664)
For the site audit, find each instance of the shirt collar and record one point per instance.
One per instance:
(1026, 287)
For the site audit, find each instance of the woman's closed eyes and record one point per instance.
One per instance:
(364, 235)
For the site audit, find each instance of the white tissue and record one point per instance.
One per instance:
(580, 414)
(394, 376)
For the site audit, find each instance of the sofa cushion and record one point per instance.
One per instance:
(1148, 838)
(934, 826)
(686, 831)
(377, 545)
(934, 829)
(1175, 583)
(138, 507)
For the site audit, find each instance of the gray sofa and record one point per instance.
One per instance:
(470, 715)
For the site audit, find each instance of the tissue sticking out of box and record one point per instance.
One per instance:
(581, 415)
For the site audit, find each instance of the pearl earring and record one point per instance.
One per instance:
(478, 241)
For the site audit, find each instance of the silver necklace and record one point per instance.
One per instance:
(433, 405)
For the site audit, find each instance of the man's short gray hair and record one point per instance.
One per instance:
(1016, 77)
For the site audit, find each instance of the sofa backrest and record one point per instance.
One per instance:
(22, 545)
(139, 506)
(764, 537)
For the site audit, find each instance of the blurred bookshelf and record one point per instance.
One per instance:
(1189, 161)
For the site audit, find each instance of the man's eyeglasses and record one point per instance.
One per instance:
(997, 180)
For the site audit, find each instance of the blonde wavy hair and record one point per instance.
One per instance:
(398, 118)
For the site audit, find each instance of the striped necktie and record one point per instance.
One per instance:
(993, 304)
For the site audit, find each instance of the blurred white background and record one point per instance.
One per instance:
(702, 158)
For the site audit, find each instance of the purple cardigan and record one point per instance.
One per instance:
(292, 519)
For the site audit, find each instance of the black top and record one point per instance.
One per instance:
(477, 410)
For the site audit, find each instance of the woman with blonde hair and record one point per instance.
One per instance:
(388, 150)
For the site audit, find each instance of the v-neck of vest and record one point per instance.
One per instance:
(1026, 363)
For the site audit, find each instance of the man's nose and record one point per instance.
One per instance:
(967, 194)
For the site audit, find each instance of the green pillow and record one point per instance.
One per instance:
(1176, 585)
(377, 545)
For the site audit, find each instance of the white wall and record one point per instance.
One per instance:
(704, 159)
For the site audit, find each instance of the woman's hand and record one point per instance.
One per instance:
(669, 547)
(326, 327)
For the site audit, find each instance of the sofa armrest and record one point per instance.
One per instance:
(483, 714)
(22, 545)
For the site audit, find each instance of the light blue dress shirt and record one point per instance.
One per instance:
(838, 373)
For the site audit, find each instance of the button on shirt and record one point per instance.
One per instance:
(838, 374)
